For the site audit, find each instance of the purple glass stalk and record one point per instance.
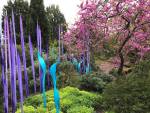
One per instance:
(8, 41)
(40, 41)
(47, 57)
(37, 27)
(40, 50)
(32, 62)
(13, 69)
(6, 58)
(59, 42)
(14, 33)
(6, 68)
(24, 58)
(5, 85)
(62, 47)
(10, 68)
(13, 79)
(20, 82)
(38, 46)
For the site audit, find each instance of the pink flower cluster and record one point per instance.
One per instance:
(101, 20)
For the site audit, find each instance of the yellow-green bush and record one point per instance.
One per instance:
(72, 100)
(80, 109)
(27, 109)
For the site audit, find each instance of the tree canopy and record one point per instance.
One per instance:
(126, 21)
(47, 18)
(55, 18)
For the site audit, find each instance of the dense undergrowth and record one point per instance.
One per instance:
(72, 100)
(110, 94)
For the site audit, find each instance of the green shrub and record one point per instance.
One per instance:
(142, 69)
(27, 109)
(54, 111)
(33, 100)
(114, 72)
(128, 95)
(95, 81)
(68, 76)
(109, 112)
(73, 96)
(50, 105)
(80, 109)
(41, 110)
(70, 98)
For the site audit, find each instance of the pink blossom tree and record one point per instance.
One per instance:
(127, 21)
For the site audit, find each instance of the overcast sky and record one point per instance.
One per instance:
(68, 7)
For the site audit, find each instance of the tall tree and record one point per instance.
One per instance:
(126, 21)
(55, 18)
(19, 7)
(38, 14)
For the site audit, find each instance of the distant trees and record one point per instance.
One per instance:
(38, 15)
(55, 18)
(19, 7)
(48, 19)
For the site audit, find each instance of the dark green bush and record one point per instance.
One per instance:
(1, 104)
(142, 68)
(128, 95)
(67, 75)
(95, 81)
(114, 72)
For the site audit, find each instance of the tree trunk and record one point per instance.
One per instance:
(120, 70)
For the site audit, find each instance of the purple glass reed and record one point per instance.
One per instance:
(20, 82)
(32, 63)
(24, 58)
(4, 83)
(13, 69)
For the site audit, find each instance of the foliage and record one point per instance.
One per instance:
(1, 102)
(32, 14)
(68, 76)
(27, 109)
(19, 7)
(107, 52)
(109, 112)
(81, 109)
(95, 81)
(53, 52)
(126, 22)
(114, 72)
(27, 52)
(36, 101)
(72, 101)
(128, 95)
(55, 18)
(142, 69)
(41, 110)
(38, 14)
